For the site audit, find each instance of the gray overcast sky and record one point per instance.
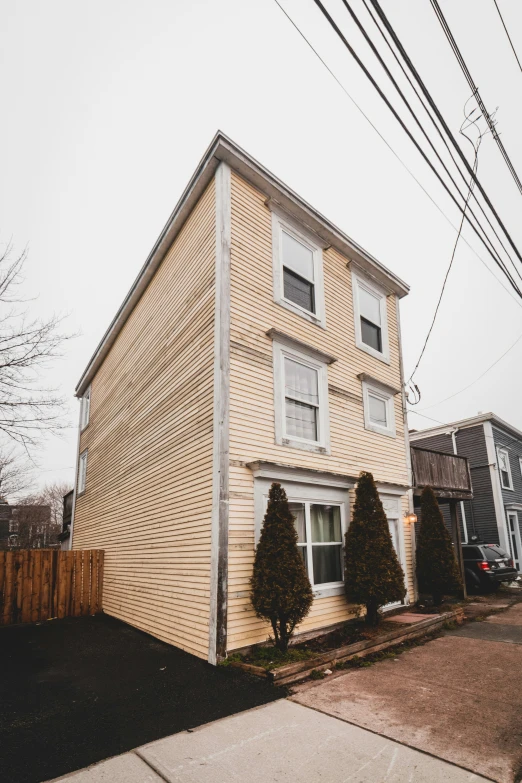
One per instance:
(108, 106)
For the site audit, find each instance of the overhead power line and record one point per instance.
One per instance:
(394, 153)
(508, 35)
(464, 198)
(442, 121)
(491, 250)
(465, 70)
(478, 378)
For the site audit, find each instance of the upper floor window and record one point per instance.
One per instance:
(371, 322)
(82, 472)
(298, 269)
(379, 415)
(504, 469)
(520, 463)
(85, 408)
(301, 399)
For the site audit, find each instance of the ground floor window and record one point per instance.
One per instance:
(320, 541)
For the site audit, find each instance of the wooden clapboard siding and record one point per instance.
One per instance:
(148, 497)
(252, 437)
(42, 584)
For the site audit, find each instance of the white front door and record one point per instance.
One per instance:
(391, 507)
(514, 538)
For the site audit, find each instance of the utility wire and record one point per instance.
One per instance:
(465, 199)
(441, 119)
(519, 338)
(436, 126)
(418, 147)
(508, 35)
(471, 184)
(394, 153)
(465, 70)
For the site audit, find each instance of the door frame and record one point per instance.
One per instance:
(513, 512)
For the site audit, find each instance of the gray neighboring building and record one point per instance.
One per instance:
(494, 450)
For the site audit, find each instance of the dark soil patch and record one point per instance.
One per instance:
(75, 691)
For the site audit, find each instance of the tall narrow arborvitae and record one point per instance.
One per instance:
(281, 591)
(438, 572)
(374, 576)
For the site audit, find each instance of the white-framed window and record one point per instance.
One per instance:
(320, 504)
(371, 317)
(298, 269)
(85, 408)
(379, 413)
(504, 468)
(82, 471)
(520, 463)
(320, 541)
(301, 399)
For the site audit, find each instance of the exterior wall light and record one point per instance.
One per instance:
(410, 519)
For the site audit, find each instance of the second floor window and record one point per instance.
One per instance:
(301, 399)
(504, 469)
(82, 472)
(379, 414)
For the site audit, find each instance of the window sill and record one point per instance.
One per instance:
(380, 431)
(314, 319)
(316, 448)
(372, 352)
(325, 592)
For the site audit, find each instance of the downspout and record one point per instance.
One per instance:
(462, 511)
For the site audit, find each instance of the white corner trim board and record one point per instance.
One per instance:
(220, 472)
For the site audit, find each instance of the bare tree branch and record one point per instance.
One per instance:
(27, 347)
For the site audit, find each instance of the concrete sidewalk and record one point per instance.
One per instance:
(458, 697)
(283, 742)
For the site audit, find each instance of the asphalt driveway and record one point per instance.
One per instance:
(75, 691)
(458, 697)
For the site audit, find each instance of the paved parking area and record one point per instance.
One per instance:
(458, 697)
(75, 691)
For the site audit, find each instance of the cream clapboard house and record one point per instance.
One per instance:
(258, 344)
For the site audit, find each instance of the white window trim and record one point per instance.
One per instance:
(506, 452)
(280, 352)
(373, 387)
(304, 492)
(280, 222)
(520, 463)
(82, 460)
(85, 408)
(360, 281)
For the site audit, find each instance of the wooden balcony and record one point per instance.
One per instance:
(447, 474)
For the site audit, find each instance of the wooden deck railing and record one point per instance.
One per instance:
(41, 584)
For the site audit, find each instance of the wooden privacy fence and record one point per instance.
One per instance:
(40, 584)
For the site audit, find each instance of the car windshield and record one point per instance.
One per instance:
(494, 553)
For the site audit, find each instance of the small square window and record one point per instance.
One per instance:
(371, 324)
(301, 399)
(298, 269)
(82, 472)
(504, 469)
(85, 408)
(379, 413)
